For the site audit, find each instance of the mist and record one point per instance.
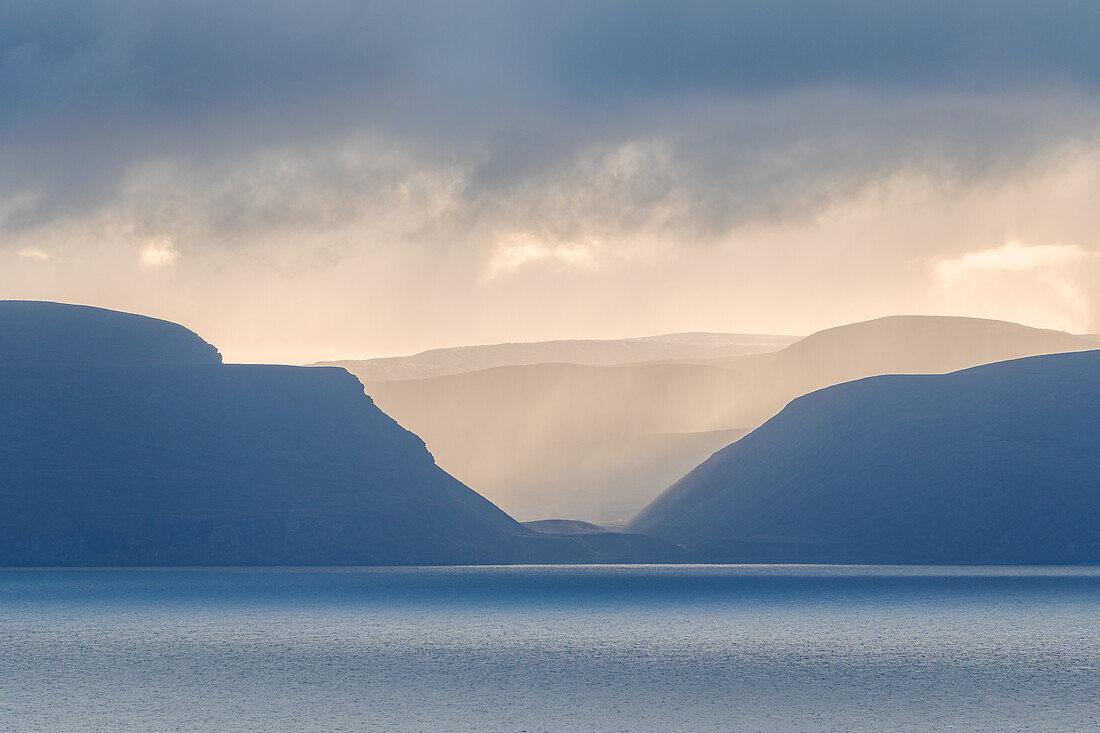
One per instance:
(599, 442)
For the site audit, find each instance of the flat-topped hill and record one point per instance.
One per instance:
(41, 334)
(125, 441)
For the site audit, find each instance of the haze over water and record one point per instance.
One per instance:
(552, 648)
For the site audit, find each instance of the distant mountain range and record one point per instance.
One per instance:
(124, 440)
(995, 464)
(459, 359)
(600, 442)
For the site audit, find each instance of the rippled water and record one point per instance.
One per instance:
(551, 648)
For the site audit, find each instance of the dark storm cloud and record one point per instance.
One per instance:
(169, 57)
(645, 48)
(515, 91)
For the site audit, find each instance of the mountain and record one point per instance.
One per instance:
(600, 442)
(917, 344)
(36, 334)
(125, 441)
(459, 359)
(995, 464)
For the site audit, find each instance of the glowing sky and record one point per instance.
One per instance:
(343, 179)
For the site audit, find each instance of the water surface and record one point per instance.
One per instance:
(551, 648)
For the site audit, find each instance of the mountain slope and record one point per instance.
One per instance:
(459, 359)
(599, 442)
(996, 464)
(44, 334)
(182, 460)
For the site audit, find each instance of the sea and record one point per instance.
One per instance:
(551, 648)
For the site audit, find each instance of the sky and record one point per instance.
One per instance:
(326, 180)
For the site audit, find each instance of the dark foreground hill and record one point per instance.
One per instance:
(995, 464)
(42, 335)
(125, 441)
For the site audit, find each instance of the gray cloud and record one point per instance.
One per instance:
(509, 87)
(568, 133)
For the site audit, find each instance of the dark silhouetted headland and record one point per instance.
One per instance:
(43, 335)
(125, 441)
(995, 464)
